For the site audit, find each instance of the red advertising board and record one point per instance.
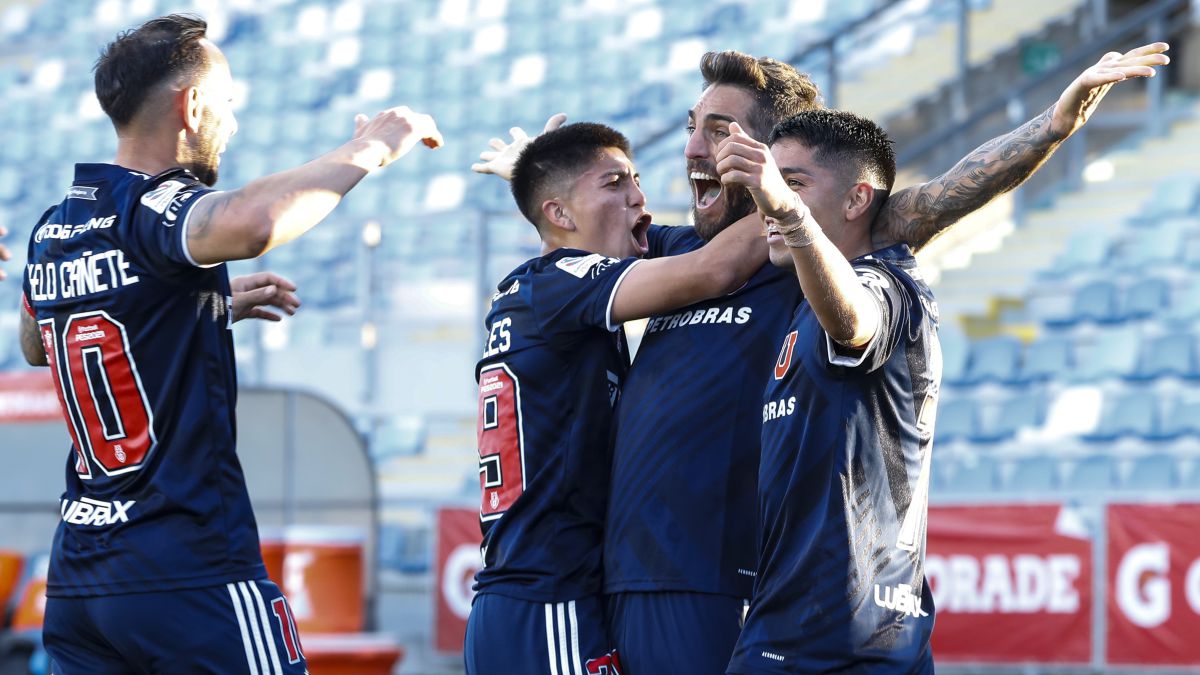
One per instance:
(458, 560)
(1011, 584)
(1153, 584)
(28, 396)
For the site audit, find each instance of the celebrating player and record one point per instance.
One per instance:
(843, 480)
(156, 565)
(551, 373)
(679, 560)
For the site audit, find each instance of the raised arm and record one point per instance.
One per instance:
(499, 161)
(918, 213)
(719, 268)
(841, 304)
(275, 209)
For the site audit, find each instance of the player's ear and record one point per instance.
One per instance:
(556, 214)
(859, 200)
(193, 108)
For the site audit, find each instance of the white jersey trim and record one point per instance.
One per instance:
(183, 232)
(608, 316)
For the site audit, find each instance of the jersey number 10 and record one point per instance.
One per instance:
(101, 393)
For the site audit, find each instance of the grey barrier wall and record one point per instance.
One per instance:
(305, 464)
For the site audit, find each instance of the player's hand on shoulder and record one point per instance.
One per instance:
(741, 160)
(502, 158)
(254, 293)
(4, 254)
(1080, 98)
(397, 130)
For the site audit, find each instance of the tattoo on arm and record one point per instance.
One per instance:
(204, 213)
(916, 214)
(31, 341)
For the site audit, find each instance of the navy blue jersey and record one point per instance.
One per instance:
(139, 343)
(549, 379)
(843, 488)
(685, 463)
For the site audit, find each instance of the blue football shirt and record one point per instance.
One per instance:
(843, 490)
(549, 379)
(139, 343)
(685, 462)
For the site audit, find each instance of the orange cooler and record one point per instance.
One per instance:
(322, 576)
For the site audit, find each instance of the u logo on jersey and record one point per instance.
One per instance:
(785, 355)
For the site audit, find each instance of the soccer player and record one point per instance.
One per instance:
(155, 566)
(680, 546)
(848, 412)
(554, 362)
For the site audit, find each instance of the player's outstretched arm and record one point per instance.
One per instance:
(273, 210)
(918, 213)
(500, 160)
(719, 268)
(842, 306)
(31, 340)
(254, 293)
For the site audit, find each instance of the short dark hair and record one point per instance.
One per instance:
(559, 156)
(843, 141)
(139, 60)
(779, 90)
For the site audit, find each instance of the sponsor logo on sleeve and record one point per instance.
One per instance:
(587, 265)
(81, 192)
(159, 199)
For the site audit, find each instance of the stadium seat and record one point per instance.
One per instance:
(1036, 473)
(1094, 474)
(1133, 413)
(1173, 354)
(1096, 301)
(1173, 196)
(1151, 473)
(1145, 298)
(972, 475)
(1111, 353)
(955, 349)
(1026, 410)
(1182, 419)
(1084, 251)
(993, 359)
(957, 419)
(1047, 358)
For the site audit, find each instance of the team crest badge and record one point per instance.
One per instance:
(785, 355)
(495, 501)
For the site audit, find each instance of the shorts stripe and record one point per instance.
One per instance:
(550, 645)
(575, 638)
(241, 619)
(266, 623)
(564, 652)
(254, 627)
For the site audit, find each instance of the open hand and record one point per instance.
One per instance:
(252, 293)
(1081, 97)
(501, 159)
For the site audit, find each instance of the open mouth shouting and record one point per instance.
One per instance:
(706, 189)
(641, 227)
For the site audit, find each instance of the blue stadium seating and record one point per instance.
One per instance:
(1151, 473)
(1133, 413)
(1036, 474)
(1026, 410)
(957, 419)
(1173, 354)
(1047, 358)
(1095, 474)
(994, 359)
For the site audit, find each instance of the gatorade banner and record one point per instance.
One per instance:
(458, 560)
(1154, 584)
(1011, 584)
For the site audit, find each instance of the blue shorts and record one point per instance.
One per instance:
(669, 632)
(241, 627)
(506, 636)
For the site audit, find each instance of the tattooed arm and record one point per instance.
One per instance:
(916, 214)
(31, 341)
(275, 209)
